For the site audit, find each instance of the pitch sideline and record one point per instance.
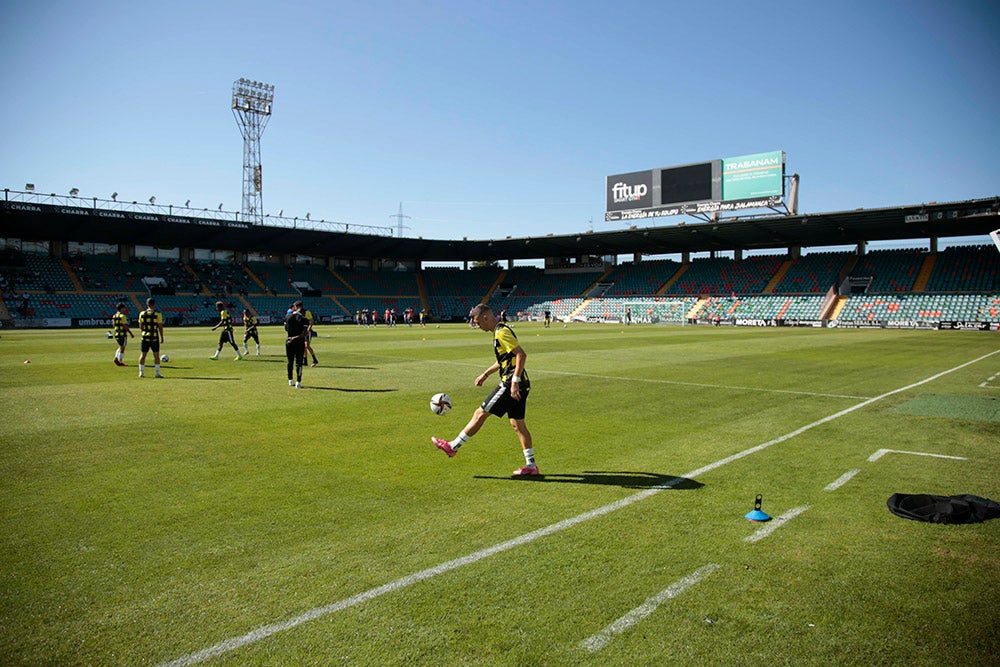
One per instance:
(404, 582)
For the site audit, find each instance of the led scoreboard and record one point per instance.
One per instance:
(729, 184)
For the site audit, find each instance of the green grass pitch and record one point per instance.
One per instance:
(220, 516)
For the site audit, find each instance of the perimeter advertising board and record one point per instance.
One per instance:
(729, 184)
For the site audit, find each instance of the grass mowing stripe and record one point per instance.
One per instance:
(274, 628)
(596, 642)
(700, 384)
(679, 383)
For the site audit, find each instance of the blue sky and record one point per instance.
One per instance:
(488, 119)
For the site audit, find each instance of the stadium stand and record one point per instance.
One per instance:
(452, 293)
(640, 278)
(273, 277)
(955, 284)
(721, 275)
(966, 269)
(813, 273)
(891, 270)
(44, 273)
(381, 283)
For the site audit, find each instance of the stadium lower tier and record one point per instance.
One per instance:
(31, 309)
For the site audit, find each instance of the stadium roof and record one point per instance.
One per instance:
(63, 222)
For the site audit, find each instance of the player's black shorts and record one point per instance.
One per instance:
(120, 340)
(251, 334)
(153, 345)
(295, 349)
(500, 402)
(226, 336)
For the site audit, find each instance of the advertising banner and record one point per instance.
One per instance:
(753, 176)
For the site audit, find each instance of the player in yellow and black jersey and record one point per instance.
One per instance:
(120, 328)
(509, 398)
(226, 336)
(151, 331)
(310, 334)
(250, 331)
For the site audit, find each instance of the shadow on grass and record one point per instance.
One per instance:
(283, 361)
(201, 377)
(624, 479)
(349, 391)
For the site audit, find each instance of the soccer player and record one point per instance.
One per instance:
(508, 398)
(119, 322)
(250, 331)
(296, 328)
(226, 322)
(309, 333)
(151, 331)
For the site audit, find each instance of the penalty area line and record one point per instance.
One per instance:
(597, 641)
(313, 614)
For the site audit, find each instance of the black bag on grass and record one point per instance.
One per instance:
(943, 509)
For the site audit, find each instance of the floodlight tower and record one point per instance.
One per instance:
(252, 102)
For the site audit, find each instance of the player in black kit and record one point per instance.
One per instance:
(296, 328)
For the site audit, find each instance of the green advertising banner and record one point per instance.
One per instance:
(753, 176)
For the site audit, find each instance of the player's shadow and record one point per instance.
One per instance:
(623, 479)
(201, 377)
(349, 391)
(283, 361)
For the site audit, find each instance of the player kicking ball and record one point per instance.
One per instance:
(508, 399)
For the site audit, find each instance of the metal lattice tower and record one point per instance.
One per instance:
(252, 103)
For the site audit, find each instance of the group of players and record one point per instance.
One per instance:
(508, 398)
(151, 334)
(369, 318)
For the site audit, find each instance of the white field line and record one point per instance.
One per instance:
(882, 452)
(596, 642)
(775, 523)
(843, 479)
(311, 615)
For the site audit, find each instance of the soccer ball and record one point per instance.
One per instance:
(441, 404)
(164, 358)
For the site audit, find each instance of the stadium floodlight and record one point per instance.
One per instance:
(220, 206)
(280, 212)
(187, 203)
(307, 215)
(114, 196)
(152, 200)
(251, 105)
(74, 192)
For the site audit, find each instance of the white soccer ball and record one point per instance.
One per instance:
(440, 404)
(164, 358)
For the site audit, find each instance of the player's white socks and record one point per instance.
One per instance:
(460, 440)
(529, 457)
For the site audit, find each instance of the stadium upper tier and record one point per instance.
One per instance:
(959, 283)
